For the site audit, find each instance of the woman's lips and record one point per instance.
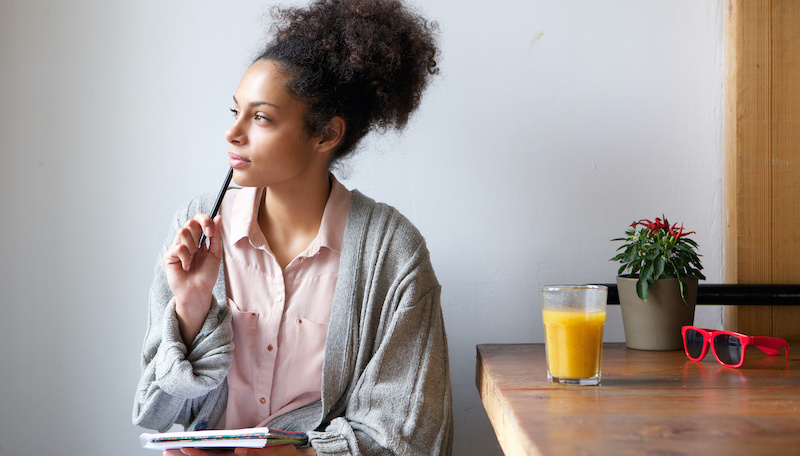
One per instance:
(237, 161)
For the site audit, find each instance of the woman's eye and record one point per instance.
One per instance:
(235, 113)
(261, 118)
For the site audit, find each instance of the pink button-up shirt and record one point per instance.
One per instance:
(280, 318)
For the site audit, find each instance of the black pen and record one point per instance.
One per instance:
(218, 202)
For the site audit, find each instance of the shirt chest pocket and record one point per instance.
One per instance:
(244, 331)
(308, 352)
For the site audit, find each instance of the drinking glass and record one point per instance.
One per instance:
(573, 317)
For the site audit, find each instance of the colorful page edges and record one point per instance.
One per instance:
(224, 438)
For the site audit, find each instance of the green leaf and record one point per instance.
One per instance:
(647, 271)
(660, 264)
(641, 288)
(683, 291)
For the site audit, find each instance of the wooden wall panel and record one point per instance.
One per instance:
(762, 157)
(786, 158)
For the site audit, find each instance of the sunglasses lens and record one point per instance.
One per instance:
(728, 348)
(694, 343)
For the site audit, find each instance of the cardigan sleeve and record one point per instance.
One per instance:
(180, 384)
(400, 402)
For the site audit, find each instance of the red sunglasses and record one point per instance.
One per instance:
(728, 347)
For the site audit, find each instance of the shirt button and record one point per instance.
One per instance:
(280, 298)
(253, 315)
(299, 321)
(262, 400)
(270, 347)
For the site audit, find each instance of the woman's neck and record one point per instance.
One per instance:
(290, 217)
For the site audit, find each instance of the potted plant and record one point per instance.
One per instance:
(657, 283)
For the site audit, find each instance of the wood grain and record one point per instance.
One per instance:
(649, 403)
(762, 157)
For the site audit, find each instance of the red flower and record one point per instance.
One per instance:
(656, 225)
(663, 224)
(678, 234)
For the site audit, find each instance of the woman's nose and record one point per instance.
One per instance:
(236, 134)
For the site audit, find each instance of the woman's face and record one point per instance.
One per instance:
(269, 144)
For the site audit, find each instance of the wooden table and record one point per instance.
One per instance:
(648, 403)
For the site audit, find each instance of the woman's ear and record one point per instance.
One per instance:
(332, 134)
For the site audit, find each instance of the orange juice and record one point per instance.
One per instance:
(574, 342)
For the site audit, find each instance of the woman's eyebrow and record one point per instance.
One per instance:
(257, 103)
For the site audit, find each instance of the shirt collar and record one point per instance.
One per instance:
(334, 218)
(244, 216)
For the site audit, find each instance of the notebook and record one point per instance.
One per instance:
(258, 437)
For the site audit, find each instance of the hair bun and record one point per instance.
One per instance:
(368, 61)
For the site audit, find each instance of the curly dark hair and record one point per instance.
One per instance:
(367, 61)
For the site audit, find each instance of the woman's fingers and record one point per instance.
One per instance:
(190, 233)
(206, 224)
(185, 255)
(215, 244)
(187, 240)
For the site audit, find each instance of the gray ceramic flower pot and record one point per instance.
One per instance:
(655, 324)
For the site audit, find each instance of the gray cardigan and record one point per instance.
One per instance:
(385, 375)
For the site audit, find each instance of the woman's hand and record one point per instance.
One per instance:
(275, 450)
(192, 272)
(197, 452)
(272, 450)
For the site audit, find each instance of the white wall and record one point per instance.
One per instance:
(554, 124)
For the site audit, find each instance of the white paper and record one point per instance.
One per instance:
(225, 438)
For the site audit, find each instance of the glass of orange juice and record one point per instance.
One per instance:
(573, 317)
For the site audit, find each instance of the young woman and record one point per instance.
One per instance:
(313, 308)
